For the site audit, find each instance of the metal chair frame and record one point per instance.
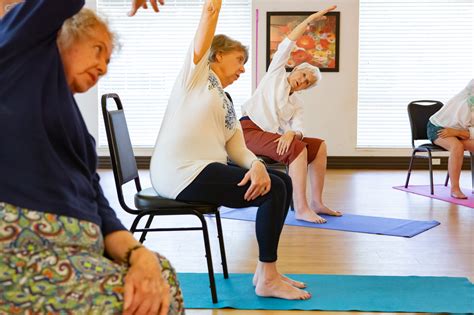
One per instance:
(125, 170)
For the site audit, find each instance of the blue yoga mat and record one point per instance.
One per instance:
(348, 222)
(338, 293)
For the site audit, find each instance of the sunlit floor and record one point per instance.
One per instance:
(446, 250)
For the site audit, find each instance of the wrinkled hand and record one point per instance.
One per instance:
(260, 183)
(146, 292)
(448, 132)
(137, 4)
(284, 142)
(319, 16)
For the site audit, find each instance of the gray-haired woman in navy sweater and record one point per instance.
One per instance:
(55, 223)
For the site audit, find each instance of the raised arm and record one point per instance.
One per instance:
(301, 28)
(206, 28)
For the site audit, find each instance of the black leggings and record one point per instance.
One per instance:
(217, 184)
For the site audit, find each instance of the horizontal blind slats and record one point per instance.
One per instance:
(409, 50)
(153, 48)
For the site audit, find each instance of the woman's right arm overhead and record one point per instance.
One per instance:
(206, 28)
(301, 28)
(32, 22)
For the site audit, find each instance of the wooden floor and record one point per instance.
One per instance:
(447, 250)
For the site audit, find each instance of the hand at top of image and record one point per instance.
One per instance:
(137, 4)
(320, 15)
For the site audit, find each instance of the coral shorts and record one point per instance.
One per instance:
(263, 143)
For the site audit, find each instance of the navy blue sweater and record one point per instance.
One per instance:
(47, 156)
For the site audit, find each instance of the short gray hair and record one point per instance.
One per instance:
(83, 24)
(223, 43)
(314, 70)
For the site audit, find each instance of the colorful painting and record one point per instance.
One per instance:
(318, 46)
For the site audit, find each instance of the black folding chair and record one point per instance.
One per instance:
(147, 202)
(419, 112)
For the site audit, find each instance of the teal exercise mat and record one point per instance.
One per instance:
(347, 222)
(338, 293)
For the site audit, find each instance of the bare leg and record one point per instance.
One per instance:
(456, 156)
(298, 172)
(297, 284)
(317, 173)
(268, 283)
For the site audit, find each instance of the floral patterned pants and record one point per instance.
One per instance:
(52, 264)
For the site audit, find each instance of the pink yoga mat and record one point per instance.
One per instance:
(441, 192)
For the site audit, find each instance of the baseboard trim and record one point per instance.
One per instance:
(338, 162)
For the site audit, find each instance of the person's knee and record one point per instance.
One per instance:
(323, 149)
(457, 149)
(288, 183)
(303, 155)
(279, 186)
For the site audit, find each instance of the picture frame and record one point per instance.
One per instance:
(319, 45)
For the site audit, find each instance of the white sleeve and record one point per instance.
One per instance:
(281, 56)
(192, 74)
(297, 120)
(238, 151)
(471, 132)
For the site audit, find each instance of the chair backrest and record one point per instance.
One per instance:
(122, 157)
(419, 112)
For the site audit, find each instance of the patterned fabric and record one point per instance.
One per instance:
(54, 264)
(230, 116)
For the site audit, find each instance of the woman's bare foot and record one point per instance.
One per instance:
(325, 210)
(296, 284)
(280, 289)
(458, 194)
(309, 216)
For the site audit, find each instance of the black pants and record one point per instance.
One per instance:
(217, 183)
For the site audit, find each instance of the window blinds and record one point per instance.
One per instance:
(409, 50)
(153, 46)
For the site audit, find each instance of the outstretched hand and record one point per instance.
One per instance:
(137, 4)
(301, 28)
(319, 16)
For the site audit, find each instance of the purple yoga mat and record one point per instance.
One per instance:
(348, 222)
(441, 192)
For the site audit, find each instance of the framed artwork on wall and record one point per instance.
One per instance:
(319, 45)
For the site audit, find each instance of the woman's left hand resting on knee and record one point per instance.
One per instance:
(285, 141)
(260, 183)
(145, 290)
(451, 132)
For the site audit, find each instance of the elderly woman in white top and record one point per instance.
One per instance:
(452, 128)
(273, 125)
(200, 132)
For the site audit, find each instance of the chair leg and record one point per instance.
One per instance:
(135, 223)
(430, 165)
(472, 171)
(220, 236)
(410, 168)
(147, 225)
(447, 180)
(207, 248)
(292, 206)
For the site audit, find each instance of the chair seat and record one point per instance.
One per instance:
(429, 147)
(148, 199)
(269, 161)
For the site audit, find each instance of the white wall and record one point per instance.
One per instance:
(331, 108)
(88, 101)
